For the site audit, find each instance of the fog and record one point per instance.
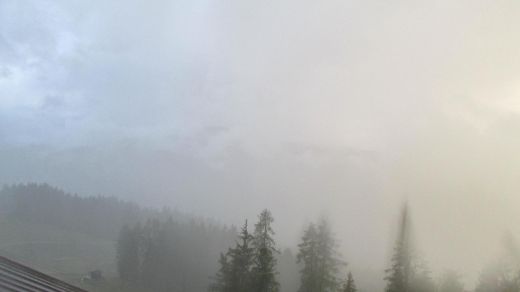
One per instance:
(342, 109)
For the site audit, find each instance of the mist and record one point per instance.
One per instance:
(336, 109)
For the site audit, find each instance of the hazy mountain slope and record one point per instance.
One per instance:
(67, 235)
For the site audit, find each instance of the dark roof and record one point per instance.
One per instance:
(17, 277)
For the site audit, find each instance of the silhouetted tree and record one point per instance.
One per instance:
(223, 277)
(308, 256)
(399, 274)
(406, 273)
(264, 268)
(242, 257)
(349, 285)
(320, 259)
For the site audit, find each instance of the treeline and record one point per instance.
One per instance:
(321, 266)
(43, 204)
(503, 274)
(168, 255)
(174, 249)
(169, 251)
(251, 264)
(409, 273)
(164, 256)
(99, 216)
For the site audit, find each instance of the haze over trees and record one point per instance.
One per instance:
(320, 259)
(503, 274)
(140, 249)
(349, 285)
(235, 272)
(450, 282)
(251, 264)
(407, 272)
(68, 236)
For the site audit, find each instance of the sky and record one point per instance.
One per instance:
(335, 108)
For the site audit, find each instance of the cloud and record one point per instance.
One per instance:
(340, 73)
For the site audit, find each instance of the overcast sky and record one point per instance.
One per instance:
(221, 108)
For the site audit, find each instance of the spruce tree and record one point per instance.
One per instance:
(264, 268)
(241, 258)
(234, 274)
(399, 274)
(222, 279)
(349, 286)
(329, 258)
(318, 253)
(308, 256)
(407, 273)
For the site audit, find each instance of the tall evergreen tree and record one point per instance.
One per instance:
(241, 258)
(318, 253)
(222, 278)
(264, 268)
(407, 273)
(308, 256)
(349, 285)
(240, 266)
(400, 273)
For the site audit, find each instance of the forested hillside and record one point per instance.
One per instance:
(101, 217)
(68, 236)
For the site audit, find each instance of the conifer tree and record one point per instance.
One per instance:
(329, 258)
(264, 268)
(407, 273)
(222, 278)
(308, 256)
(349, 286)
(318, 253)
(399, 274)
(241, 258)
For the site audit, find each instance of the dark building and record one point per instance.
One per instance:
(17, 277)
